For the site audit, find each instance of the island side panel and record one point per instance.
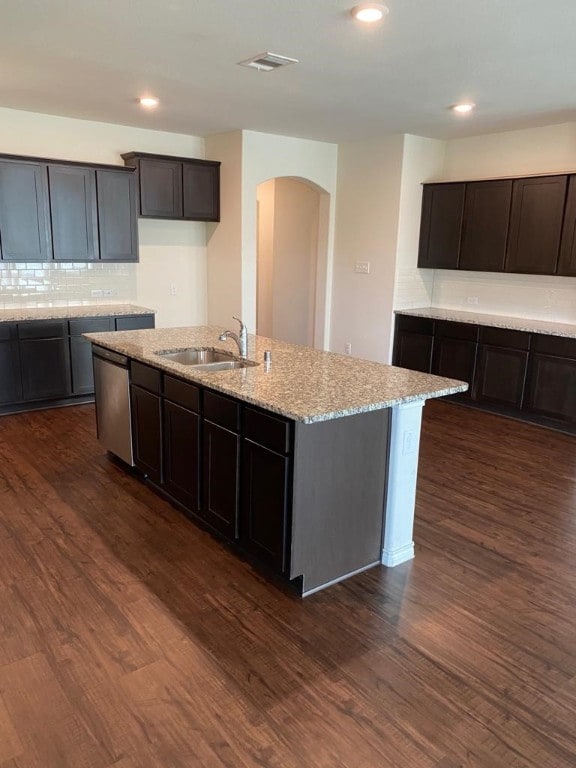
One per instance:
(405, 426)
(340, 469)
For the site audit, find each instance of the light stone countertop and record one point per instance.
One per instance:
(301, 383)
(497, 321)
(20, 314)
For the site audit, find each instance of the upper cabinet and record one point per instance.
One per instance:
(504, 225)
(536, 224)
(440, 228)
(65, 211)
(485, 225)
(24, 213)
(176, 187)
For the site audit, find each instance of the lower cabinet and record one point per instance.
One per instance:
(264, 520)
(455, 353)
(10, 378)
(182, 455)
(413, 343)
(502, 367)
(44, 360)
(147, 432)
(551, 389)
(221, 477)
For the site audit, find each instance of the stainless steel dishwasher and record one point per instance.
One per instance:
(112, 388)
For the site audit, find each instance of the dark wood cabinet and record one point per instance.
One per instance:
(73, 213)
(160, 188)
(147, 432)
(536, 224)
(182, 455)
(455, 352)
(134, 322)
(567, 259)
(551, 388)
(81, 351)
(44, 360)
(221, 475)
(10, 378)
(502, 366)
(264, 522)
(485, 225)
(117, 216)
(441, 225)
(24, 213)
(201, 190)
(176, 187)
(413, 344)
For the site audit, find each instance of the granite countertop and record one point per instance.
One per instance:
(20, 314)
(497, 321)
(301, 383)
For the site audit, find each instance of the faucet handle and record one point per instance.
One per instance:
(242, 326)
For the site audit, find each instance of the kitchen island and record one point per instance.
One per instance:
(307, 462)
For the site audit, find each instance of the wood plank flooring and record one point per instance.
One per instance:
(129, 638)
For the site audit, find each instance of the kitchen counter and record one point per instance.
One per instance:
(21, 314)
(301, 383)
(497, 321)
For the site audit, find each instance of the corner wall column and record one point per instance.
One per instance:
(405, 427)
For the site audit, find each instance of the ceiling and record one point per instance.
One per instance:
(516, 59)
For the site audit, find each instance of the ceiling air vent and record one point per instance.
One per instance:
(266, 62)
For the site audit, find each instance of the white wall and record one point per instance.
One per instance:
(368, 210)
(171, 252)
(526, 152)
(224, 266)
(264, 157)
(265, 270)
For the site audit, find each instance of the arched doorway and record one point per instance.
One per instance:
(292, 224)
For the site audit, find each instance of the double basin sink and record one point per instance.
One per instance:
(206, 359)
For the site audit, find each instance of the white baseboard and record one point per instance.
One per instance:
(398, 556)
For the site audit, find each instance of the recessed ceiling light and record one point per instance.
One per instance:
(369, 12)
(150, 102)
(463, 109)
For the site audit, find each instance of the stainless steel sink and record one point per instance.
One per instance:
(206, 359)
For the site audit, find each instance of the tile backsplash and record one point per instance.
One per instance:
(41, 284)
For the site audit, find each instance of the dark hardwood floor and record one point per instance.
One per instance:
(131, 638)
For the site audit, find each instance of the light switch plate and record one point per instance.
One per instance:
(362, 267)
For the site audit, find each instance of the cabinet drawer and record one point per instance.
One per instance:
(554, 345)
(267, 430)
(182, 393)
(450, 330)
(134, 322)
(44, 329)
(8, 331)
(90, 325)
(145, 376)
(502, 337)
(414, 324)
(222, 410)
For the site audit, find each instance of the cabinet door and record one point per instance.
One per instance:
(264, 521)
(536, 224)
(147, 432)
(455, 359)
(413, 351)
(441, 224)
(201, 188)
(73, 212)
(182, 455)
(567, 260)
(81, 362)
(221, 460)
(10, 379)
(45, 368)
(161, 188)
(485, 225)
(552, 387)
(117, 219)
(501, 375)
(24, 219)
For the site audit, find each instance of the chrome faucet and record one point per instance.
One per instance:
(240, 339)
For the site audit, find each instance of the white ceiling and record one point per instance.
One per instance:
(91, 58)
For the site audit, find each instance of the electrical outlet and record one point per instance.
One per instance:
(96, 293)
(362, 267)
(348, 348)
(173, 289)
(108, 292)
(472, 299)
